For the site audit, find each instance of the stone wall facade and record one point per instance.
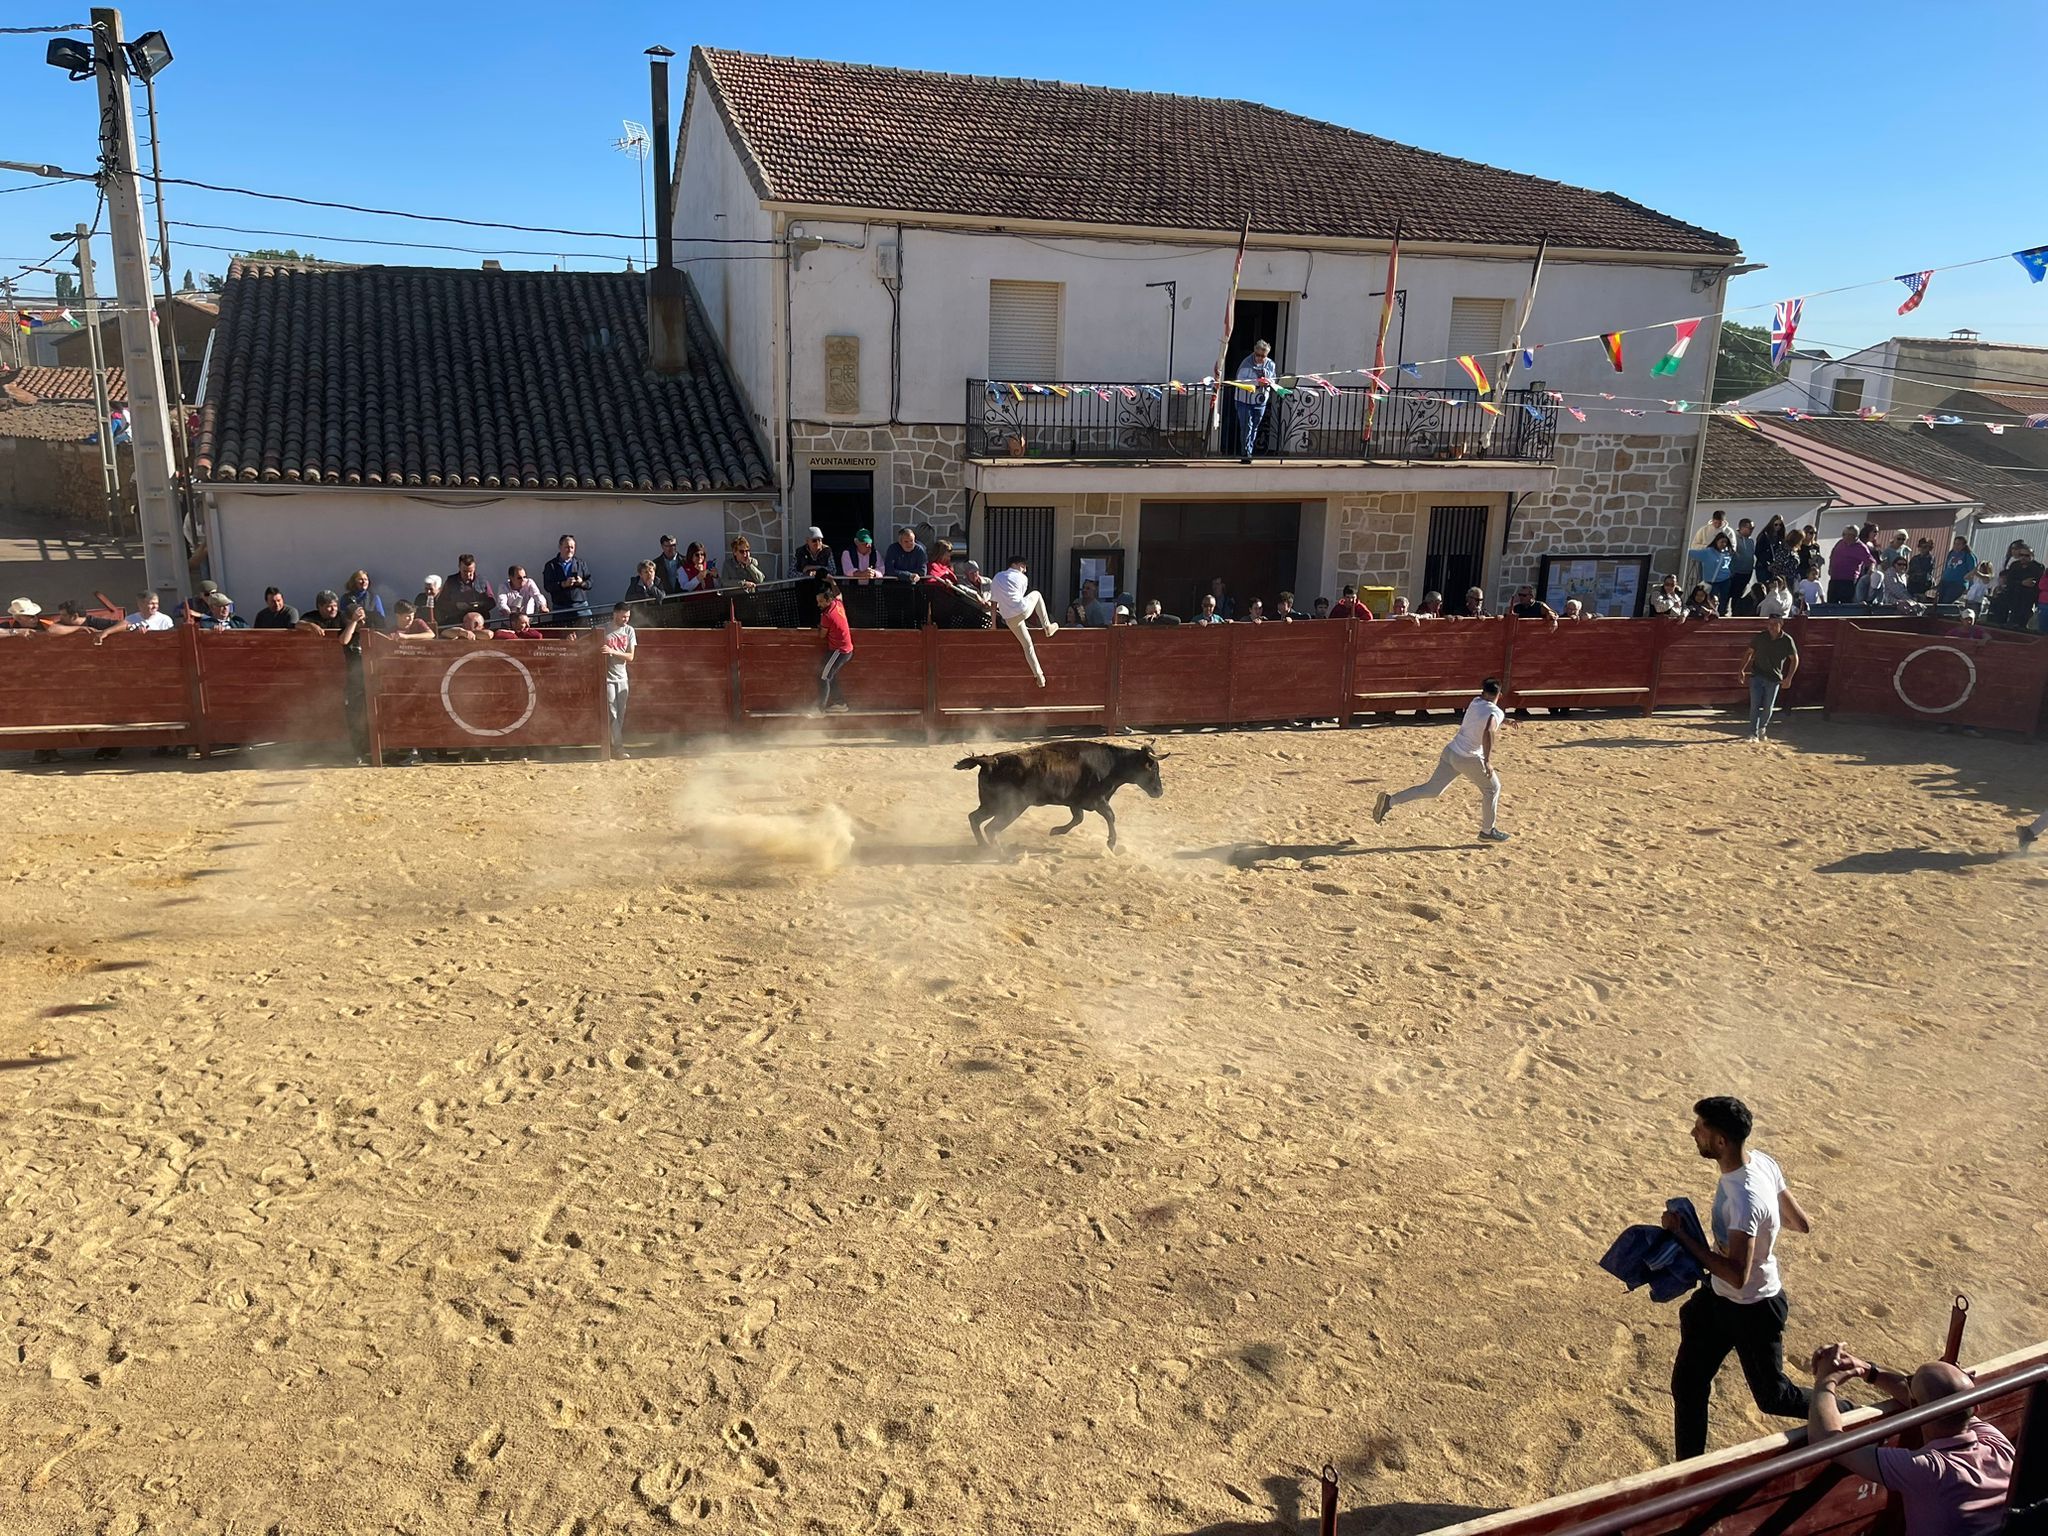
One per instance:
(1380, 539)
(61, 480)
(1616, 493)
(924, 485)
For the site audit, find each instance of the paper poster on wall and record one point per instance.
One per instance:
(1609, 585)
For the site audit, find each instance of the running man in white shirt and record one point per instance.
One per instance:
(1470, 756)
(1742, 1307)
(1016, 603)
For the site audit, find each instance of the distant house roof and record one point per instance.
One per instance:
(2010, 401)
(1741, 465)
(865, 136)
(455, 379)
(65, 386)
(1871, 464)
(48, 423)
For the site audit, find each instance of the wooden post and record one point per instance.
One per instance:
(1958, 1317)
(195, 693)
(735, 706)
(371, 704)
(1507, 658)
(1657, 644)
(601, 697)
(1113, 713)
(1350, 671)
(1326, 1524)
(931, 679)
(1233, 636)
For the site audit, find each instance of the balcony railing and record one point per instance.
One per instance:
(1035, 420)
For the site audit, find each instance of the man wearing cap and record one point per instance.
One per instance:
(858, 563)
(905, 560)
(220, 612)
(276, 613)
(193, 609)
(813, 557)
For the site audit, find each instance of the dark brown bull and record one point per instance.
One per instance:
(1080, 775)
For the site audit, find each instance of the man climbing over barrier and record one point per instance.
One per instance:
(1016, 603)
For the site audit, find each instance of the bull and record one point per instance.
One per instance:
(1078, 775)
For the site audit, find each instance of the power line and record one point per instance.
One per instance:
(76, 26)
(409, 245)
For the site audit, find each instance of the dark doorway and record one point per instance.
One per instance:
(843, 503)
(1183, 545)
(1256, 320)
(1025, 531)
(1456, 560)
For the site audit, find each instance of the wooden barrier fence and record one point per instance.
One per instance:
(188, 688)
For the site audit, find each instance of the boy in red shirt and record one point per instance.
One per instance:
(838, 645)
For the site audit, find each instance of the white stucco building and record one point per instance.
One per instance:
(911, 273)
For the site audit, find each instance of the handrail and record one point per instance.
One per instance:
(1680, 1500)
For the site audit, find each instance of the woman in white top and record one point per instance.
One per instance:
(1776, 603)
(1668, 600)
(520, 595)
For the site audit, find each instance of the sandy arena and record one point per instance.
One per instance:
(713, 1141)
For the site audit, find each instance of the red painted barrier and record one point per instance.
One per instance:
(255, 686)
(485, 694)
(65, 691)
(1994, 684)
(1580, 664)
(1428, 665)
(183, 687)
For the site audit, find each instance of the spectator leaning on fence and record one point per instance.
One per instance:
(645, 587)
(858, 563)
(1348, 606)
(356, 593)
(1207, 614)
(275, 613)
(1955, 570)
(428, 597)
(1667, 601)
(406, 623)
(521, 594)
(668, 565)
(148, 615)
(220, 613)
(521, 628)
(696, 573)
(740, 568)
(905, 560)
(463, 593)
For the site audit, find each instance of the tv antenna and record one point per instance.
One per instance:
(635, 142)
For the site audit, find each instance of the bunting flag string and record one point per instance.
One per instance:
(2035, 260)
(1476, 373)
(1670, 362)
(1611, 340)
(1577, 414)
(1916, 289)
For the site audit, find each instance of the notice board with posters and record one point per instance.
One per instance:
(1613, 586)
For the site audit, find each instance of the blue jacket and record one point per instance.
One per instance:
(1653, 1257)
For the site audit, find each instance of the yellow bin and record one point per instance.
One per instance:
(1379, 599)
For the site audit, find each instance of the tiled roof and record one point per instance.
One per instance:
(436, 377)
(1747, 466)
(1870, 463)
(50, 423)
(65, 386)
(863, 136)
(2016, 399)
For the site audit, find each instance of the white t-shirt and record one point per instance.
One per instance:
(1011, 586)
(1808, 588)
(157, 620)
(1471, 738)
(1746, 1200)
(1774, 605)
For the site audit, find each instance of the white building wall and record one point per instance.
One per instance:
(716, 206)
(1114, 328)
(303, 540)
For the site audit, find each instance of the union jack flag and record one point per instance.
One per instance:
(1784, 326)
(1916, 289)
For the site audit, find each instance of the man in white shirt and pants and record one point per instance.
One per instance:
(1016, 603)
(1742, 1307)
(1469, 756)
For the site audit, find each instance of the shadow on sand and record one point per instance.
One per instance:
(1293, 1517)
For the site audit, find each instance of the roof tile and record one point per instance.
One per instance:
(486, 380)
(1742, 465)
(864, 136)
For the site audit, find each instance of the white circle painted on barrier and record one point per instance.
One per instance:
(1969, 687)
(448, 703)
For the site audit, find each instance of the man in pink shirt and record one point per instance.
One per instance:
(1847, 562)
(1956, 1483)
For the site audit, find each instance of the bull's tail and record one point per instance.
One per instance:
(976, 762)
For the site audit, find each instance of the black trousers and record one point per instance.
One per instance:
(1709, 1326)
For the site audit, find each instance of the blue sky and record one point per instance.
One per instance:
(1838, 142)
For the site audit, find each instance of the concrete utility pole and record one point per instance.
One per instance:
(110, 456)
(163, 538)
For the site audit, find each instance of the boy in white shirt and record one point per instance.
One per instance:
(1016, 603)
(1470, 756)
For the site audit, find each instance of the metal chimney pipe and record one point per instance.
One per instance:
(668, 344)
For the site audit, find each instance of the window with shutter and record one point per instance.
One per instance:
(1475, 331)
(1023, 330)
(1848, 396)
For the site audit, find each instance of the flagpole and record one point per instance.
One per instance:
(1223, 349)
(1507, 372)
(1379, 348)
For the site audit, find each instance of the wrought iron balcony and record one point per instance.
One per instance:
(1038, 420)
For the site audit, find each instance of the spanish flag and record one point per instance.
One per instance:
(1489, 407)
(1611, 340)
(1476, 373)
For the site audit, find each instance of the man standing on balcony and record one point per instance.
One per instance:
(1258, 371)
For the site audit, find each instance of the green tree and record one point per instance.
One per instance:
(67, 287)
(186, 286)
(268, 254)
(1745, 362)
